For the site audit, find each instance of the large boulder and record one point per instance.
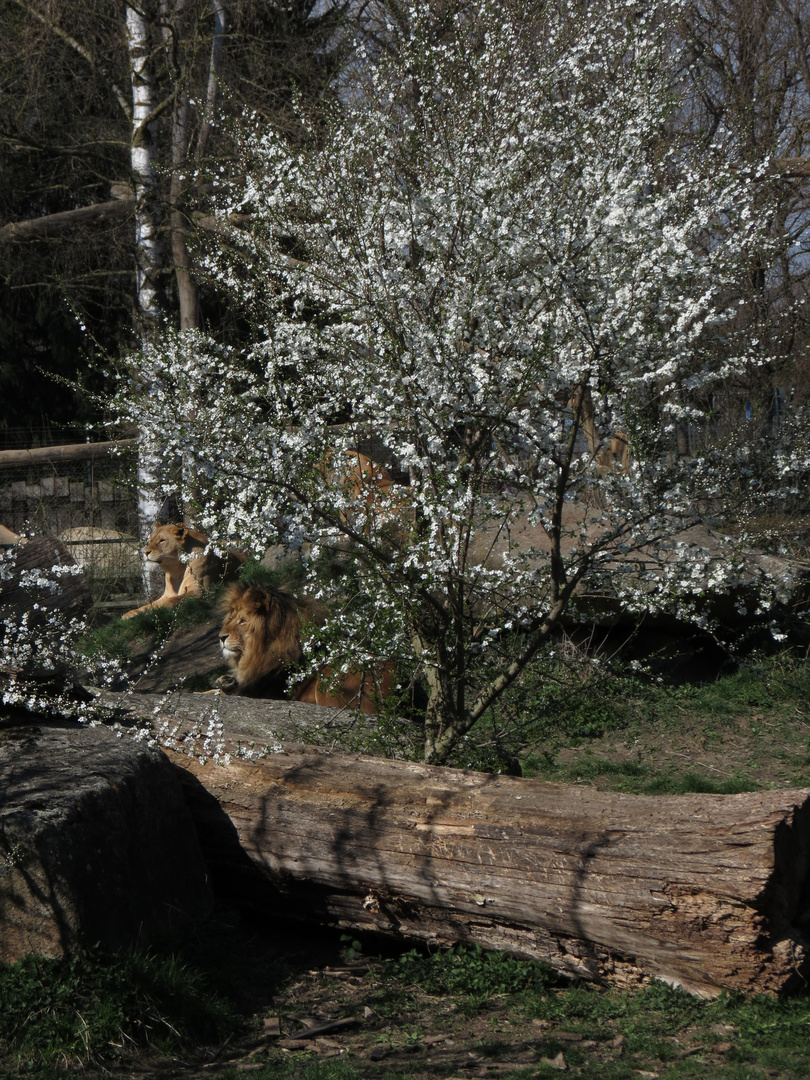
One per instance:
(96, 843)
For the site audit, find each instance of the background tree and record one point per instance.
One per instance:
(747, 88)
(111, 113)
(478, 253)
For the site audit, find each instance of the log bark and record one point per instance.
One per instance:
(704, 892)
(57, 455)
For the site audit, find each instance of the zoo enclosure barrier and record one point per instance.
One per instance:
(85, 495)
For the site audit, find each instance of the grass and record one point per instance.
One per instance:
(119, 638)
(622, 730)
(634, 778)
(428, 1014)
(94, 1006)
(657, 1027)
(498, 1011)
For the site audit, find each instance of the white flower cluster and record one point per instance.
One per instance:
(45, 671)
(39, 645)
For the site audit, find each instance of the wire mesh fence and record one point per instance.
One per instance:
(84, 494)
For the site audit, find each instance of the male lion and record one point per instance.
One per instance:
(185, 578)
(261, 639)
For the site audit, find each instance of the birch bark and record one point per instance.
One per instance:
(147, 244)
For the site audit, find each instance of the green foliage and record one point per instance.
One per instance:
(352, 948)
(470, 971)
(286, 575)
(562, 694)
(93, 1004)
(117, 637)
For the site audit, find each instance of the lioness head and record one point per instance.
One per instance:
(261, 634)
(166, 543)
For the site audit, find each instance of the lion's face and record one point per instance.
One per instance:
(261, 631)
(243, 624)
(165, 544)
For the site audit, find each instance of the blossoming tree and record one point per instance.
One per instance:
(490, 261)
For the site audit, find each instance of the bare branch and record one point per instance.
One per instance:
(80, 49)
(67, 219)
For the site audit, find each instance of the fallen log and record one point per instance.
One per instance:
(257, 725)
(701, 891)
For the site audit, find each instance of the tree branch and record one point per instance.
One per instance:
(85, 54)
(67, 219)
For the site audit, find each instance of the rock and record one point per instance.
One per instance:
(68, 591)
(96, 843)
(192, 652)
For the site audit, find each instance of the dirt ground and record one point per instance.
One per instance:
(358, 1014)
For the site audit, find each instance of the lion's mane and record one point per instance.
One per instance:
(261, 638)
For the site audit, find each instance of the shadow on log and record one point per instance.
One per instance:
(702, 891)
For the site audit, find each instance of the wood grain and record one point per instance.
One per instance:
(702, 891)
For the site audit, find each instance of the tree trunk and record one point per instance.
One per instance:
(148, 255)
(142, 160)
(700, 891)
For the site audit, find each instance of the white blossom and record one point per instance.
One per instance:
(482, 236)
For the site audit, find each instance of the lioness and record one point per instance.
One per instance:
(185, 578)
(608, 454)
(367, 484)
(261, 640)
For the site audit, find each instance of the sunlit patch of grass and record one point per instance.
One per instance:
(632, 777)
